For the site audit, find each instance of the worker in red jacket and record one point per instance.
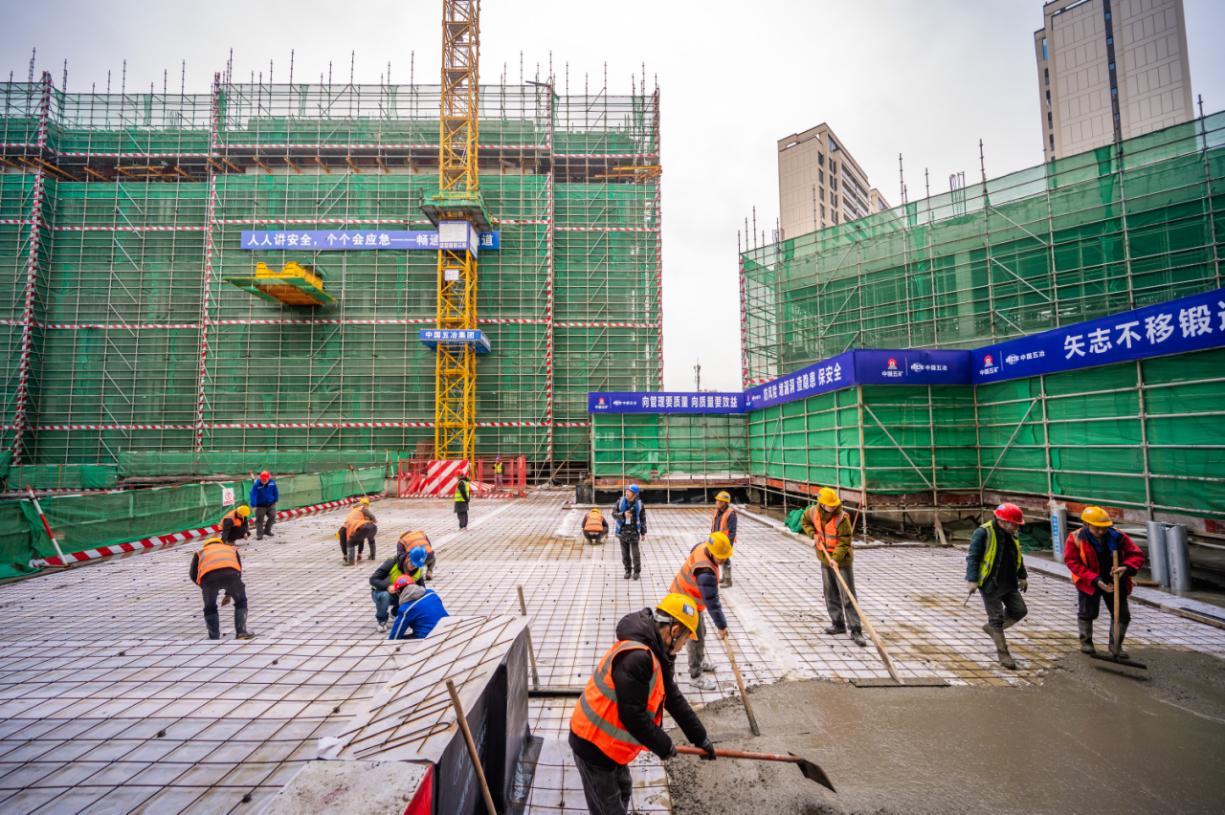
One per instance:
(1089, 553)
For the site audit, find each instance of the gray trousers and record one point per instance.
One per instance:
(697, 648)
(834, 600)
(264, 516)
(631, 554)
(607, 791)
(1008, 606)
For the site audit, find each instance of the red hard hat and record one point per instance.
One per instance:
(265, 475)
(1010, 513)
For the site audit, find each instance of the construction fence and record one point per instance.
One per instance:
(82, 522)
(122, 213)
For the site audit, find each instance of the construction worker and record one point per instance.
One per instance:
(595, 526)
(1090, 554)
(419, 612)
(412, 540)
(622, 706)
(264, 497)
(217, 568)
(236, 524)
(631, 517)
(359, 526)
(831, 533)
(497, 473)
(463, 495)
(995, 567)
(383, 580)
(724, 520)
(699, 580)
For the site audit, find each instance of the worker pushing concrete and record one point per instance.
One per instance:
(412, 540)
(698, 579)
(631, 518)
(264, 496)
(831, 533)
(236, 524)
(1096, 554)
(622, 706)
(217, 567)
(724, 520)
(463, 496)
(359, 526)
(996, 568)
(595, 526)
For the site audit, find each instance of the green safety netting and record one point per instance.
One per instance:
(62, 476)
(648, 446)
(148, 464)
(83, 522)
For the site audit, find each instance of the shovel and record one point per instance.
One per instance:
(812, 772)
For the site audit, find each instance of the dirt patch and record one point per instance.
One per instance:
(1088, 740)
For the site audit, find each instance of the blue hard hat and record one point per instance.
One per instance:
(634, 489)
(416, 557)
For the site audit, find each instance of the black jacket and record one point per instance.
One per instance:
(631, 679)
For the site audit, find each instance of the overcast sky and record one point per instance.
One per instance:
(926, 78)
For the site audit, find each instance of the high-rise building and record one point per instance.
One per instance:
(820, 184)
(1110, 70)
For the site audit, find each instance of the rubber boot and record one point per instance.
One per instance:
(627, 574)
(240, 625)
(1001, 647)
(1009, 623)
(1086, 636)
(857, 638)
(834, 629)
(371, 551)
(1116, 648)
(212, 619)
(725, 581)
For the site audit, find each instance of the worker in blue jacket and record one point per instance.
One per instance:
(420, 610)
(263, 498)
(631, 518)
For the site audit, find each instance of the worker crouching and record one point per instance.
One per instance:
(995, 567)
(595, 526)
(418, 612)
(1102, 559)
(217, 567)
(622, 706)
(417, 539)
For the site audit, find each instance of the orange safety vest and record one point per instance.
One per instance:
(686, 582)
(216, 555)
(233, 516)
(355, 520)
(827, 537)
(596, 717)
(719, 523)
(416, 538)
(594, 522)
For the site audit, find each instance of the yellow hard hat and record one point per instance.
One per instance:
(724, 495)
(828, 498)
(364, 501)
(213, 539)
(594, 511)
(681, 608)
(719, 545)
(244, 511)
(1096, 516)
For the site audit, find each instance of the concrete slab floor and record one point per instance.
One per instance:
(112, 698)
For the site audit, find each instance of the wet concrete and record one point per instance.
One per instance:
(1089, 740)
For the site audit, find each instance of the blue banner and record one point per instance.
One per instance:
(433, 337)
(339, 240)
(912, 367)
(1191, 323)
(665, 402)
(828, 375)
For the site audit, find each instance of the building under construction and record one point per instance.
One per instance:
(1103, 233)
(137, 331)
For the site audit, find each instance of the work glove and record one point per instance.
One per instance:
(671, 753)
(709, 748)
(1106, 587)
(1023, 585)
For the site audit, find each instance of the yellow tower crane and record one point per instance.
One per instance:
(460, 215)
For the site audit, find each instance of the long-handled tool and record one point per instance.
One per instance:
(969, 594)
(531, 652)
(1115, 645)
(867, 624)
(744, 694)
(46, 526)
(811, 771)
(472, 751)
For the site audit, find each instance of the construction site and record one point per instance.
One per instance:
(442, 301)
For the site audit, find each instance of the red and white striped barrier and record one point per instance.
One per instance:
(175, 538)
(440, 479)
